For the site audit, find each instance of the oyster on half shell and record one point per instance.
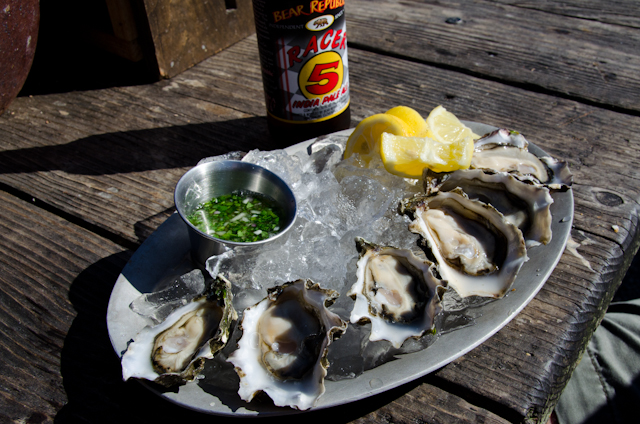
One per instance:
(523, 203)
(396, 291)
(504, 150)
(173, 352)
(284, 344)
(478, 252)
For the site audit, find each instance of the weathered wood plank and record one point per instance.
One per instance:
(426, 403)
(513, 367)
(133, 151)
(523, 45)
(618, 12)
(182, 34)
(49, 267)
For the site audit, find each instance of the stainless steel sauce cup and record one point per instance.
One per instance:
(212, 179)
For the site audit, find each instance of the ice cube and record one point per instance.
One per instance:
(158, 305)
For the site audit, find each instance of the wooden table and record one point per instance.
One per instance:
(87, 176)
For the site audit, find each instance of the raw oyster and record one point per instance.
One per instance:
(523, 203)
(396, 291)
(173, 352)
(284, 344)
(507, 151)
(478, 252)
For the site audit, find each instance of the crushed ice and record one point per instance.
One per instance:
(338, 200)
(159, 304)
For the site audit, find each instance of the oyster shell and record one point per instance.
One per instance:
(284, 344)
(478, 252)
(507, 151)
(396, 291)
(523, 203)
(173, 352)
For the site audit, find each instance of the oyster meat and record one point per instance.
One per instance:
(523, 203)
(478, 252)
(173, 352)
(284, 344)
(508, 151)
(396, 291)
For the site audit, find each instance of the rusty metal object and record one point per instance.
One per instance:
(19, 22)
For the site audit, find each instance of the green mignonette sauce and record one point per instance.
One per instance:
(240, 216)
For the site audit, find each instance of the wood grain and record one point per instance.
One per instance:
(51, 270)
(618, 12)
(549, 46)
(184, 33)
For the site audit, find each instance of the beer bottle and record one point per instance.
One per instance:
(303, 56)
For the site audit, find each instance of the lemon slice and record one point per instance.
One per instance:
(412, 118)
(446, 128)
(408, 156)
(365, 138)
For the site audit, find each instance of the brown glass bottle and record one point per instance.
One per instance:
(303, 57)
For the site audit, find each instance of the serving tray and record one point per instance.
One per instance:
(165, 255)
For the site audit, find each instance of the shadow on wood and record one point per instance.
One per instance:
(137, 151)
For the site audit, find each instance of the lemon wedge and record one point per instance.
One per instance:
(446, 127)
(412, 118)
(408, 156)
(365, 138)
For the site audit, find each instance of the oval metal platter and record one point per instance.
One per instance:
(165, 255)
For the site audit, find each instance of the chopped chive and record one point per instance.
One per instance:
(238, 216)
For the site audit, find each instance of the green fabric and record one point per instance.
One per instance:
(605, 387)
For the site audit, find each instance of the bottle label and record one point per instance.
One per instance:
(303, 55)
